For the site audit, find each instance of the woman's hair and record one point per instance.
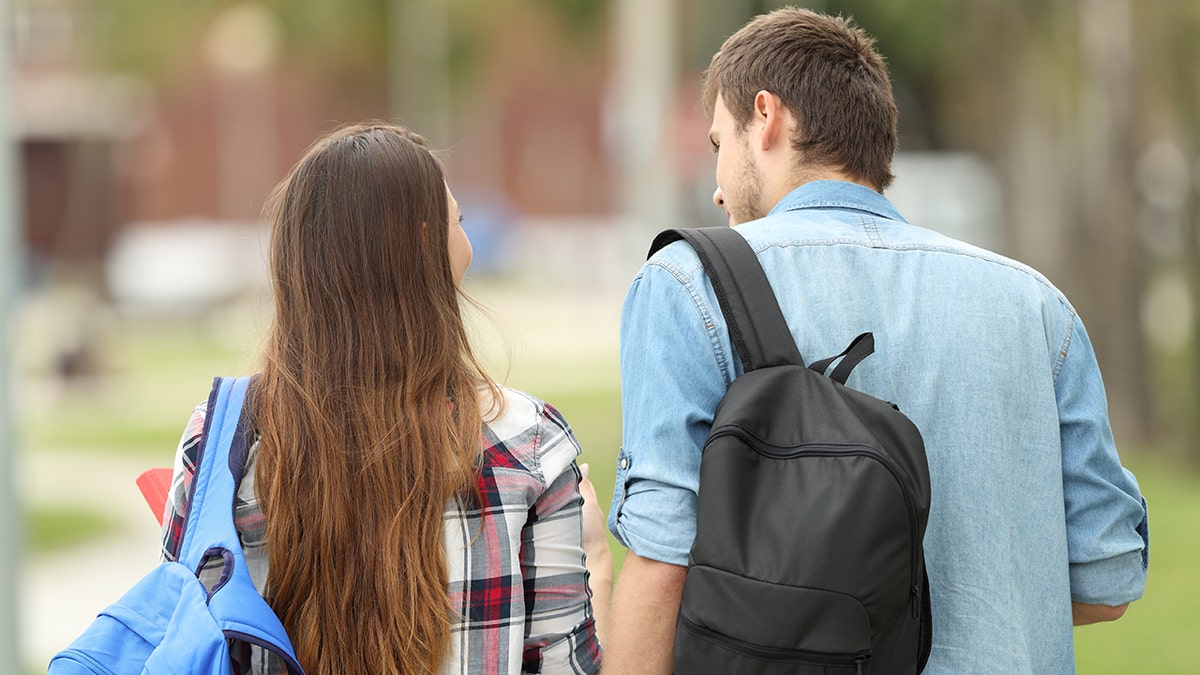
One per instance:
(827, 73)
(369, 405)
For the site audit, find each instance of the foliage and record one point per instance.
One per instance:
(162, 37)
(580, 17)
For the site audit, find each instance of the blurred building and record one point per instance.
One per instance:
(106, 152)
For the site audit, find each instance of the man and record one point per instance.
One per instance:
(1034, 523)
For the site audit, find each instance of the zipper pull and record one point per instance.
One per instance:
(858, 663)
(914, 601)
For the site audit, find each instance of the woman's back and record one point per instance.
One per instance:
(516, 565)
(398, 541)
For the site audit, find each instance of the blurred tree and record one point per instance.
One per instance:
(1170, 93)
(1047, 91)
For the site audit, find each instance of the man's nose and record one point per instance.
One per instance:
(719, 199)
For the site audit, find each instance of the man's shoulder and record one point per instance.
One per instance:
(871, 239)
(677, 259)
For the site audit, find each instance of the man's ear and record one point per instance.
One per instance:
(770, 113)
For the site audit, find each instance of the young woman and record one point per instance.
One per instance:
(401, 512)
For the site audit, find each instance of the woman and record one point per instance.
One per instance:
(398, 537)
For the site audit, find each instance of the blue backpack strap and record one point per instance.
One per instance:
(209, 530)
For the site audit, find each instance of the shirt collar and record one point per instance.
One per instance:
(821, 194)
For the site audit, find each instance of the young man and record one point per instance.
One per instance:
(1034, 523)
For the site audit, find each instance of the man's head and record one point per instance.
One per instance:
(828, 84)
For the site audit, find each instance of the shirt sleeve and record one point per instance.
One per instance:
(1108, 538)
(560, 632)
(674, 371)
(181, 483)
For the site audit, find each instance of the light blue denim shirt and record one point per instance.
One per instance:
(1031, 507)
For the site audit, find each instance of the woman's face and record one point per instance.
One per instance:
(457, 242)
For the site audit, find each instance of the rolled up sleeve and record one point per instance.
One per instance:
(673, 375)
(1108, 538)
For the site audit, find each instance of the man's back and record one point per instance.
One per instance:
(1030, 506)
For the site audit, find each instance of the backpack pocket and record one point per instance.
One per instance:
(769, 629)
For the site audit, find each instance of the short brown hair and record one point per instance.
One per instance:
(827, 73)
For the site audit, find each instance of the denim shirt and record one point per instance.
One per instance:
(1031, 506)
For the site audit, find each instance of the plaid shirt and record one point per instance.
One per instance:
(517, 574)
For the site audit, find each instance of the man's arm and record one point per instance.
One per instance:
(641, 641)
(1108, 535)
(1083, 614)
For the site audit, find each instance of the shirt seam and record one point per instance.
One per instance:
(834, 204)
(1061, 358)
(707, 316)
(871, 228)
(536, 459)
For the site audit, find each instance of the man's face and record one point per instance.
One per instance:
(739, 178)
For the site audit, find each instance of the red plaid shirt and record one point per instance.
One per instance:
(519, 584)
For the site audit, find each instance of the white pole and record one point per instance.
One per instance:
(419, 89)
(643, 106)
(10, 530)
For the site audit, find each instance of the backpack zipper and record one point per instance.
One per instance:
(831, 450)
(778, 653)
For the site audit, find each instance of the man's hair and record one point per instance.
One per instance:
(828, 75)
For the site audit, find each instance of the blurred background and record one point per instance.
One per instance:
(142, 137)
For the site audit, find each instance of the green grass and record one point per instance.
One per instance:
(54, 528)
(1158, 633)
(151, 376)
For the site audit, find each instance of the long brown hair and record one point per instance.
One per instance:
(826, 71)
(368, 406)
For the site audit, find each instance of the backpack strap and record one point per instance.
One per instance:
(757, 327)
(209, 529)
(860, 348)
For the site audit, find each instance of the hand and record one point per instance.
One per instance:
(599, 557)
(595, 526)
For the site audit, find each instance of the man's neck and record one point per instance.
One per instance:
(809, 175)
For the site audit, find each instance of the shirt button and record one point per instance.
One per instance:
(624, 463)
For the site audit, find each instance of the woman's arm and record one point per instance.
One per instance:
(561, 627)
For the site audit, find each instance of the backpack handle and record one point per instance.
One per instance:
(757, 328)
(862, 347)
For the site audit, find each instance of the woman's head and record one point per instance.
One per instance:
(365, 219)
(368, 407)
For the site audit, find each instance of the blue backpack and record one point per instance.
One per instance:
(169, 622)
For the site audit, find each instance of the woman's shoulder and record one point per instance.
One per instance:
(530, 431)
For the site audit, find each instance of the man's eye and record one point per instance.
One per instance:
(716, 147)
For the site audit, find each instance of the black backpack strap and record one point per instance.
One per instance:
(860, 348)
(757, 328)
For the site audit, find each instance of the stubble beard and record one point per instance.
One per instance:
(748, 203)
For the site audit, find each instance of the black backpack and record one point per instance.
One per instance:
(812, 505)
